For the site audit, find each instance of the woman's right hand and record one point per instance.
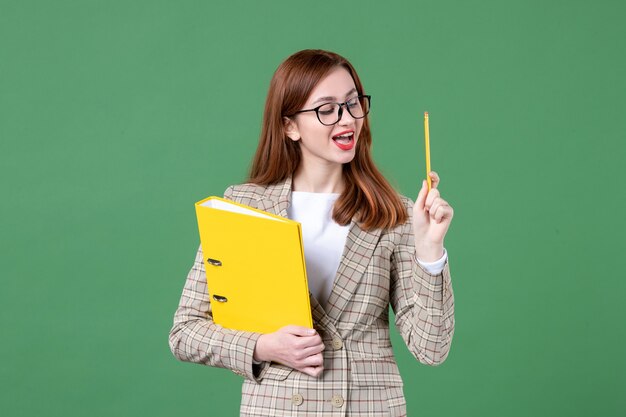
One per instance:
(295, 346)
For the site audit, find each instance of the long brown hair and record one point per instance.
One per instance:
(367, 194)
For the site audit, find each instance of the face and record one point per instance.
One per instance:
(333, 144)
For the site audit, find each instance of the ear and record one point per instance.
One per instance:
(291, 129)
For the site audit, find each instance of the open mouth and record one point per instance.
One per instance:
(344, 140)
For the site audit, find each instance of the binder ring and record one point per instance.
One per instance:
(214, 262)
(219, 298)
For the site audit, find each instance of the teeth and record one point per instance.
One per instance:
(347, 135)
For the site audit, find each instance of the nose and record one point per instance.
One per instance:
(345, 118)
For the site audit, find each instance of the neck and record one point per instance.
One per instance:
(321, 178)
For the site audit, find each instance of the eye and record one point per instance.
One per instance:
(353, 102)
(327, 109)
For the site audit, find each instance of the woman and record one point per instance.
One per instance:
(366, 247)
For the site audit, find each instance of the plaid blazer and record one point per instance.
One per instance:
(360, 376)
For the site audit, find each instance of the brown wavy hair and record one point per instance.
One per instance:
(367, 194)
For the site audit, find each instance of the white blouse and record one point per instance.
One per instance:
(323, 238)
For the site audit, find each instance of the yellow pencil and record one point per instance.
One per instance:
(427, 140)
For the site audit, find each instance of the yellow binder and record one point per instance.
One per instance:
(255, 267)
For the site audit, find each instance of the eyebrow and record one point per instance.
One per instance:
(333, 98)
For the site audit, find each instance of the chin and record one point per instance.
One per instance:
(346, 159)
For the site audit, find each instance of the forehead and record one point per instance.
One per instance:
(335, 86)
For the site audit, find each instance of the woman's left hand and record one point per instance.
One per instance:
(431, 219)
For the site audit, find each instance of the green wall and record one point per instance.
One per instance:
(116, 116)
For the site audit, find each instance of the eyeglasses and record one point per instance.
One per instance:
(330, 113)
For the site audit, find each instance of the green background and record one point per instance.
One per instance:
(116, 116)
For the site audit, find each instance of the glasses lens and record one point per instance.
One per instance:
(365, 104)
(328, 113)
(355, 107)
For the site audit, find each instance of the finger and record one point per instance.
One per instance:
(301, 354)
(309, 341)
(434, 179)
(313, 371)
(421, 196)
(313, 350)
(434, 206)
(442, 213)
(298, 330)
(314, 360)
(433, 194)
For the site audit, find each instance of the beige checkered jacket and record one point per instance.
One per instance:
(360, 376)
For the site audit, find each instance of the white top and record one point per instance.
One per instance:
(324, 241)
(323, 238)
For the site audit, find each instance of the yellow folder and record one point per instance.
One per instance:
(255, 267)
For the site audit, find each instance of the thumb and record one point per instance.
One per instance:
(420, 201)
(297, 330)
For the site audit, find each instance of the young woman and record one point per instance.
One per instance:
(366, 248)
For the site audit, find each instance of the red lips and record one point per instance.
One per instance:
(346, 143)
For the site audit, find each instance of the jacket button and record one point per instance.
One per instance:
(297, 399)
(337, 343)
(337, 401)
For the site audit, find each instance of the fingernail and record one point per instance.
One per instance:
(311, 331)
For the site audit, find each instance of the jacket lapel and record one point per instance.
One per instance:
(319, 315)
(360, 246)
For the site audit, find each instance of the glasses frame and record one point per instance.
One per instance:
(340, 112)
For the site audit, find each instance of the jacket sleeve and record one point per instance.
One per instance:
(423, 303)
(194, 336)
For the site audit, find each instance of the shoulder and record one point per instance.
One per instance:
(407, 202)
(408, 205)
(402, 233)
(245, 193)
